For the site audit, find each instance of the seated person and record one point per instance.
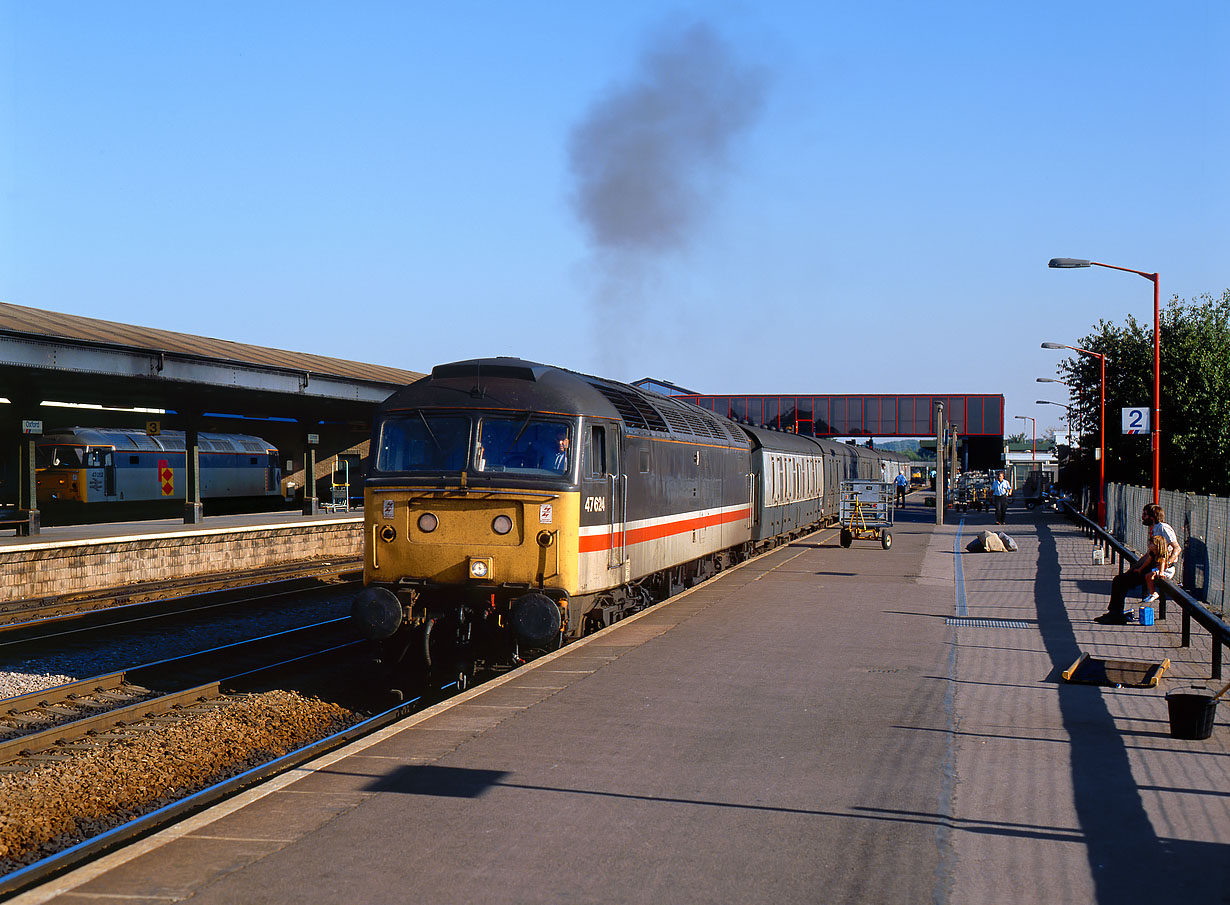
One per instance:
(1155, 563)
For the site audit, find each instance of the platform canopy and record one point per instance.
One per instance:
(47, 356)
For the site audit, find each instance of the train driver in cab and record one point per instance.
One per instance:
(560, 463)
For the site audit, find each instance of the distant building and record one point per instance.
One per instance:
(1022, 458)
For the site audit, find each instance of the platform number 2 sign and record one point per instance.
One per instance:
(1136, 421)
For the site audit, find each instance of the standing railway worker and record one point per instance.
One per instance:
(901, 480)
(1001, 490)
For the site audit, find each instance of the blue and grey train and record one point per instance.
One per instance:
(92, 467)
(510, 505)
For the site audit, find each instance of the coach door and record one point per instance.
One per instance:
(604, 490)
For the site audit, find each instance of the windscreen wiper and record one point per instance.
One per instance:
(430, 432)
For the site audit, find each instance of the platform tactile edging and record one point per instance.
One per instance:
(987, 623)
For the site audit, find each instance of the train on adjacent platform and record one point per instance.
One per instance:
(510, 505)
(93, 468)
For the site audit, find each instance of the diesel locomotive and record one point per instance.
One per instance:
(101, 468)
(510, 505)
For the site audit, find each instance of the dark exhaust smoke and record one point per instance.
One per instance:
(650, 158)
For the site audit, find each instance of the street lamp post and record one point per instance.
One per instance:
(1155, 428)
(1067, 408)
(1078, 402)
(1033, 449)
(1101, 423)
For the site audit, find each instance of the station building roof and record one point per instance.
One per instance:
(45, 355)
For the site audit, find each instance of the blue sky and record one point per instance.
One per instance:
(861, 197)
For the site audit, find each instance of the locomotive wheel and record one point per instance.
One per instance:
(886, 539)
(465, 673)
(847, 538)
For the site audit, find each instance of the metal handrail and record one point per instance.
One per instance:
(1192, 608)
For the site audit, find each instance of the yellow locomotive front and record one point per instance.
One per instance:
(471, 514)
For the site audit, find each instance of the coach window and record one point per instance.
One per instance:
(597, 451)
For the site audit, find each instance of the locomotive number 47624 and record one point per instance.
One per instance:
(595, 504)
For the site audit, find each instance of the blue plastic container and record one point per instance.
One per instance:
(1146, 615)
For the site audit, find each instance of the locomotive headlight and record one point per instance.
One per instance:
(428, 523)
(480, 568)
(501, 524)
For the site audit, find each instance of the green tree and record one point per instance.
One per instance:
(1195, 395)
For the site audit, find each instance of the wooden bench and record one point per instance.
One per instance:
(12, 518)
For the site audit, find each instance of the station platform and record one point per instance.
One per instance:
(77, 559)
(811, 727)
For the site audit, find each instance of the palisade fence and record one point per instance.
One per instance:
(1201, 523)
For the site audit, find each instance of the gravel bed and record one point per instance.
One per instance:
(59, 805)
(13, 683)
(77, 660)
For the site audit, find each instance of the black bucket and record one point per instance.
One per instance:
(1191, 713)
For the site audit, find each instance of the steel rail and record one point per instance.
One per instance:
(40, 631)
(48, 738)
(60, 862)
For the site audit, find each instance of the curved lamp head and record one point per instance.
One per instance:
(1055, 346)
(1068, 263)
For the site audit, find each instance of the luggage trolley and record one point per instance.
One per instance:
(866, 511)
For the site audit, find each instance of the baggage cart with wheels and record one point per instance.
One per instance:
(866, 512)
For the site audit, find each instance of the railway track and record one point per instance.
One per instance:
(151, 595)
(77, 626)
(51, 724)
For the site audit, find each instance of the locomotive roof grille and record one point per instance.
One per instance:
(634, 409)
(688, 422)
(732, 430)
(139, 441)
(167, 441)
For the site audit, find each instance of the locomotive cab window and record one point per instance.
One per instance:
(59, 456)
(421, 442)
(528, 444)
